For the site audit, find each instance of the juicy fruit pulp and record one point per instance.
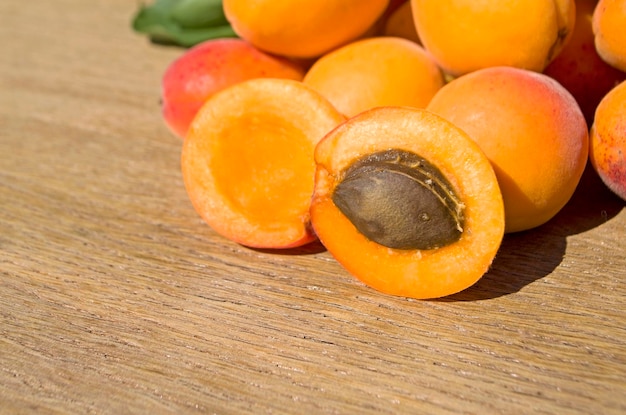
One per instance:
(248, 164)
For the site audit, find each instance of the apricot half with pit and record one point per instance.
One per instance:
(407, 202)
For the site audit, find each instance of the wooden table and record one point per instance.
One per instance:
(115, 298)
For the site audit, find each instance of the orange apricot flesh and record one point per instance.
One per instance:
(374, 72)
(414, 273)
(531, 129)
(608, 140)
(247, 161)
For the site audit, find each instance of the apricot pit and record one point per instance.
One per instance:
(400, 200)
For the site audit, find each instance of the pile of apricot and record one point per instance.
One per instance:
(407, 136)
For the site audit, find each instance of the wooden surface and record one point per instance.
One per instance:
(115, 298)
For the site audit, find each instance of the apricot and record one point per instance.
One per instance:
(210, 67)
(608, 140)
(580, 69)
(302, 29)
(247, 161)
(466, 35)
(407, 202)
(394, 5)
(609, 26)
(531, 129)
(400, 23)
(373, 72)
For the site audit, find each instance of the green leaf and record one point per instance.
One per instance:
(195, 14)
(191, 37)
(153, 16)
(182, 22)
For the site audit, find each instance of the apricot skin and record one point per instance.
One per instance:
(531, 129)
(400, 23)
(580, 69)
(466, 35)
(302, 29)
(608, 140)
(609, 27)
(411, 273)
(374, 72)
(210, 67)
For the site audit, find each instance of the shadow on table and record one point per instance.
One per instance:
(312, 248)
(525, 257)
(528, 256)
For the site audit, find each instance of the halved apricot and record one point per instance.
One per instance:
(407, 202)
(247, 161)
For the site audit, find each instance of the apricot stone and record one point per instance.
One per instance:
(400, 200)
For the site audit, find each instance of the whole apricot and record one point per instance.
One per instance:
(609, 26)
(466, 35)
(580, 69)
(374, 72)
(400, 23)
(210, 67)
(531, 129)
(608, 140)
(302, 29)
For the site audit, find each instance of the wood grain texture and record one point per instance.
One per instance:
(115, 298)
